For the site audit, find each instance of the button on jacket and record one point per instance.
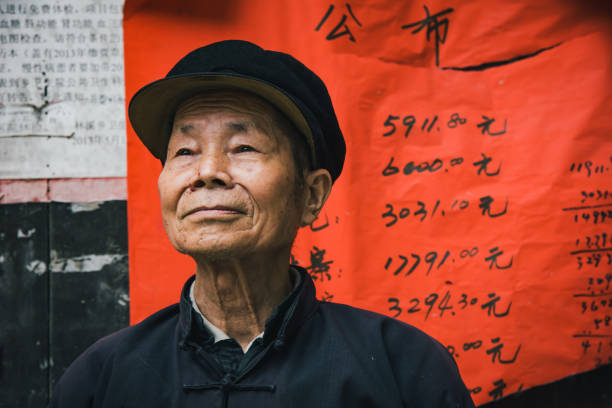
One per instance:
(319, 354)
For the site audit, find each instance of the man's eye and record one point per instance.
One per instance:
(245, 148)
(183, 152)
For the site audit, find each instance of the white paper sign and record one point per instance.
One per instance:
(62, 99)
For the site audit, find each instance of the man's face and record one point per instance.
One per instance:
(228, 187)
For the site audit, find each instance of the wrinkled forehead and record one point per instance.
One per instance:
(263, 115)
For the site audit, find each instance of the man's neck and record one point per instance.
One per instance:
(238, 296)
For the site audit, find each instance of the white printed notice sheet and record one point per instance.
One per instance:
(62, 97)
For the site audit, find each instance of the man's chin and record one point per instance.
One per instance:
(216, 251)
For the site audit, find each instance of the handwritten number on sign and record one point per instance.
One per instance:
(408, 121)
(415, 306)
(443, 305)
(430, 301)
(389, 123)
(389, 213)
(463, 300)
(395, 307)
(421, 210)
(416, 263)
(455, 120)
(430, 258)
(390, 169)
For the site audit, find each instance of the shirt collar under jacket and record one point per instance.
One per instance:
(281, 325)
(219, 334)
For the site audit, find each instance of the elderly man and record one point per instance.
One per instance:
(250, 147)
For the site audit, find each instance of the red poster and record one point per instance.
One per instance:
(476, 198)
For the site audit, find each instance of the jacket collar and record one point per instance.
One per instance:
(282, 325)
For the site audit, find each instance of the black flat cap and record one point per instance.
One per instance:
(278, 78)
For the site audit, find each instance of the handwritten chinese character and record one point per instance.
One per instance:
(486, 126)
(335, 32)
(495, 352)
(491, 306)
(498, 391)
(319, 227)
(326, 297)
(495, 253)
(319, 269)
(483, 164)
(433, 26)
(485, 205)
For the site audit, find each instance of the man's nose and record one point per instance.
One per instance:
(212, 171)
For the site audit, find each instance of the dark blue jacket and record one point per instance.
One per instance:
(323, 355)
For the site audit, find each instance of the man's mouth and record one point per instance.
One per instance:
(214, 211)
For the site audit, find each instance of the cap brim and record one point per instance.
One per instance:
(152, 108)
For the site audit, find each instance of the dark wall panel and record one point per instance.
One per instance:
(89, 277)
(63, 285)
(24, 300)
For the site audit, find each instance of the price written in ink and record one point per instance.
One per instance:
(593, 259)
(594, 250)
(405, 265)
(597, 341)
(405, 125)
(595, 195)
(599, 283)
(590, 168)
(597, 241)
(487, 206)
(497, 389)
(484, 166)
(594, 346)
(595, 303)
(446, 304)
(594, 216)
(602, 322)
(494, 349)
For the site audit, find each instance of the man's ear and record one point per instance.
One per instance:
(317, 189)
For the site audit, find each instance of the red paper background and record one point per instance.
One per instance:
(556, 104)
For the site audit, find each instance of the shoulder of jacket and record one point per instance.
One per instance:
(416, 359)
(355, 313)
(81, 381)
(108, 345)
(362, 320)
